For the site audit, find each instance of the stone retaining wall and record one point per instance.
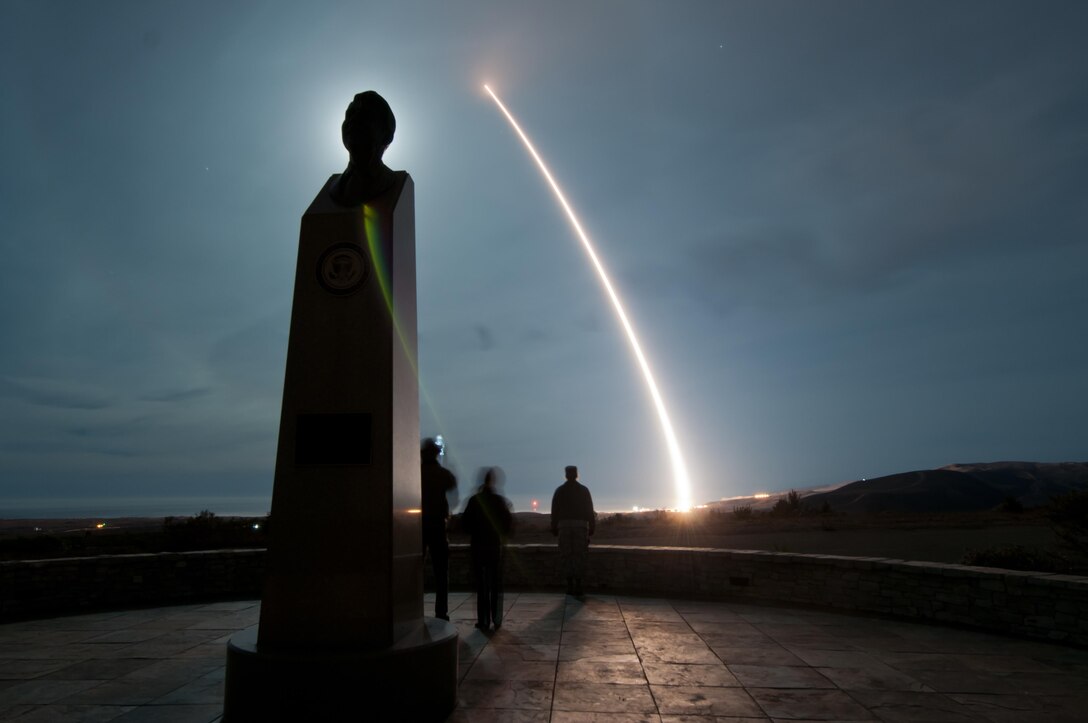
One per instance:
(1035, 605)
(1028, 604)
(39, 588)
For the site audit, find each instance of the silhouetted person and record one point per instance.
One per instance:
(488, 520)
(573, 521)
(438, 483)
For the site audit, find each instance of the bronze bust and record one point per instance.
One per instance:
(367, 131)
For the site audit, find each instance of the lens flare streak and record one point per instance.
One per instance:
(679, 468)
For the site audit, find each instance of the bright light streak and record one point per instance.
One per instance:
(679, 469)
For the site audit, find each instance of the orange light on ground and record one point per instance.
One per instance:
(535, 504)
(100, 525)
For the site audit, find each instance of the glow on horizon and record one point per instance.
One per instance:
(679, 468)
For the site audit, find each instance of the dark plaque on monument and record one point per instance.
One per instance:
(342, 633)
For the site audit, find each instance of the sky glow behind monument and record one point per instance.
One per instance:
(850, 236)
(679, 468)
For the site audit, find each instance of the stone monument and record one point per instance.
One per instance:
(342, 633)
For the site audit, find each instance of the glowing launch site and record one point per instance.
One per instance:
(679, 468)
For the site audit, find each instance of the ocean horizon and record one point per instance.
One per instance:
(113, 507)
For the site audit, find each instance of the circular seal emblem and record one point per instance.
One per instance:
(341, 269)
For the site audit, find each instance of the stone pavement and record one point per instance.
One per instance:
(614, 659)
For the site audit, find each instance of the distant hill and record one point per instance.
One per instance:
(957, 488)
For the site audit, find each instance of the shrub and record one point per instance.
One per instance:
(788, 505)
(1011, 505)
(614, 520)
(742, 512)
(1068, 515)
(19, 548)
(206, 531)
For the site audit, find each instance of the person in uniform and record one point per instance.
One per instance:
(573, 522)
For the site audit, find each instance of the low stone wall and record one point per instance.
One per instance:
(39, 588)
(1035, 605)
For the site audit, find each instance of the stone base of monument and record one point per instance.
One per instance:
(413, 679)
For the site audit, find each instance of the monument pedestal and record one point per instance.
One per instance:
(342, 634)
(415, 679)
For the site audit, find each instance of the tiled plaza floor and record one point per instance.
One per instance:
(614, 659)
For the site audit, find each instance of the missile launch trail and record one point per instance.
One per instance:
(679, 468)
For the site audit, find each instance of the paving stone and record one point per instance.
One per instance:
(711, 719)
(42, 691)
(968, 681)
(921, 661)
(96, 669)
(11, 712)
(125, 635)
(903, 707)
(206, 690)
(674, 648)
(772, 654)
(656, 625)
(498, 715)
(123, 691)
(754, 640)
(837, 658)
(507, 694)
(72, 713)
(812, 704)
(625, 671)
(517, 624)
(654, 614)
(603, 698)
(618, 660)
(523, 652)
(872, 677)
(710, 616)
(735, 630)
(564, 716)
(172, 714)
(779, 676)
(490, 668)
(29, 669)
(1009, 707)
(592, 630)
(503, 636)
(689, 674)
(597, 651)
(703, 700)
(1007, 664)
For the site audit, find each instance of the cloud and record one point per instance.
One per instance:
(179, 395)
(852, 197)
(62, 394)
(484, 337)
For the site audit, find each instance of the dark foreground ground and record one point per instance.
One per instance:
(614, 659)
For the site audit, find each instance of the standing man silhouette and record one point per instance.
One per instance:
(573, 522)
(437, 485)
(488, 520)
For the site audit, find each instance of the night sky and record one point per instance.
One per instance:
(852, 236)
